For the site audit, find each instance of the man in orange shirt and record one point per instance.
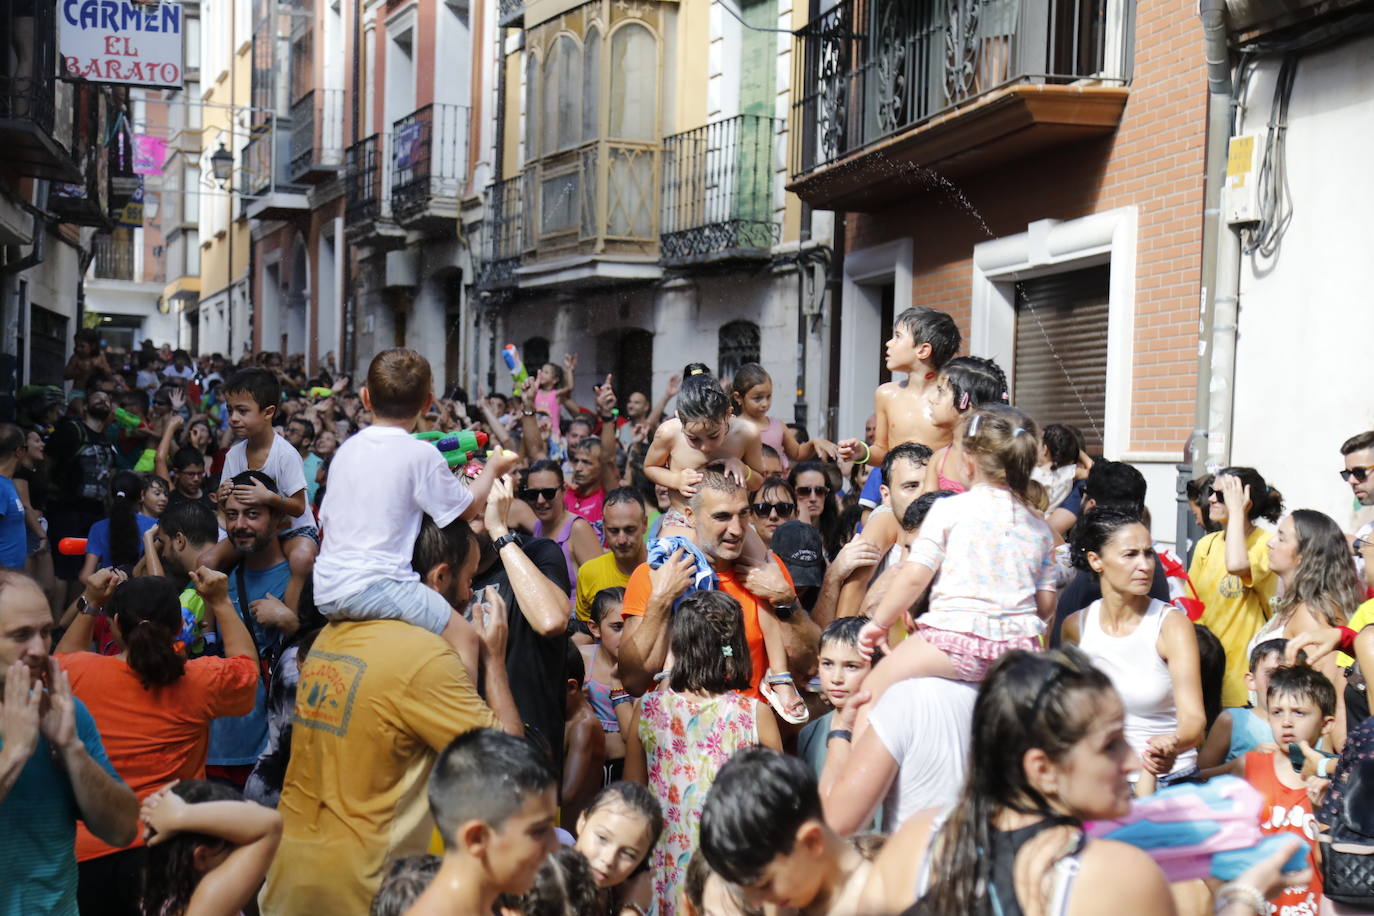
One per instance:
(719, 516)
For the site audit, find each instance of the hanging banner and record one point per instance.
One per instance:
(122, 41)
(132, 213)
(149, 155)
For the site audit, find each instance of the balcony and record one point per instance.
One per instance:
(267, 191)
(87, 202)
(718, 200)
(429, 166)
(114, 258)
(367, 185)
(35, 106)
(512, 14)
(504, 235)
(317, 129)
(896, 89)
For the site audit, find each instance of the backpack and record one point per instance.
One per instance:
(1348, 859)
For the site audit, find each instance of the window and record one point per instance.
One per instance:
(192, 190)
(193, 253)
(531, 115)
(192, 39)
(562, 91)
(1060, 373)
(737, 344)
(591, 98)
(634, 84)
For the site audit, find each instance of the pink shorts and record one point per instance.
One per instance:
(972, 656)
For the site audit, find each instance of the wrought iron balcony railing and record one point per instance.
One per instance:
(429, 161)
(718, 191)
(504, 228)
(114, 258)
(317, 131)
(869, 70)
(255, 176)
(367, 180)
(35, 106)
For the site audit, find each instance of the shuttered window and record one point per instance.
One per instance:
(1061, 350)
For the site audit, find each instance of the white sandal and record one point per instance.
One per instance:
(775, 701)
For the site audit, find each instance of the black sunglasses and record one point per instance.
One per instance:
(1356, 474)
(812, 491)
(763, 510)
(530, 494)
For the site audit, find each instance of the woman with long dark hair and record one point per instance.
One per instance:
(152, 706)
(117, 539)
(817, 504)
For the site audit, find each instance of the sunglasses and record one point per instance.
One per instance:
(763, 510)
(805, 492)
(1357, 474)
(530, 494)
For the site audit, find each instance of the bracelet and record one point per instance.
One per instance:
(1242, 893)
(868, 453)
(1325, 766)
(843, 734)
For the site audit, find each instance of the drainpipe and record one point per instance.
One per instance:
(1218, 303)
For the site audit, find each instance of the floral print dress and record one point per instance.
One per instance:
(686, 741)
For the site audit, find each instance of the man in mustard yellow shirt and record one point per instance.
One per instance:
(624, 523)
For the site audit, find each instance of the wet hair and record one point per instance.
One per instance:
(399, 383)
(1005, 444)
(1265, 501)
(148, 611)
(249, 477)
(710, 652)
(1063, 443)
(916, 513)
(714, 482)
(186, 457)
(774, 482)
(757, 803)
(542, 465)
(485, 775)
(1211, 656)
(974, 381)
(261, 385)
(1115, 484)
(1264, 650)
(1094, 530)
(913, 452)
(934, 327)
(193, 520)
(1358, 442)
(1045, 700)
(170, 875)
(126, 494)
(624, 496)
(603, 601)
(403, 884)
(563, 886)
(1302, 683)
(748, 376)
(434, 545)
(700, 398)
(634, 798)
(829, 523)
(844, 631)
(1325, 582)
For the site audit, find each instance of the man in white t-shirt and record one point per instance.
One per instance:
(913, 756)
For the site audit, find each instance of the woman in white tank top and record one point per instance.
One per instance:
(1147, 647)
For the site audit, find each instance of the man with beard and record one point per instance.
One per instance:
(81, 459)
(624, 522)
(174, 547)
(256, 587)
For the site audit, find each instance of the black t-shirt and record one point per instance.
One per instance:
(1084, 590)
(82, 462)
(534, 663)
(175, 498)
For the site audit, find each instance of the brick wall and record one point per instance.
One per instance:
(1154, 162)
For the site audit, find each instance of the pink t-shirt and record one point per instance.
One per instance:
(591, 507)
(546, 399)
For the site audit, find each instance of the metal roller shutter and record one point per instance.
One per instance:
(1060, 371)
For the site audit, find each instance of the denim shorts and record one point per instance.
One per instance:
(387, 599)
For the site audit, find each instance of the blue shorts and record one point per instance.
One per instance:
(387, 599)
(304, 531)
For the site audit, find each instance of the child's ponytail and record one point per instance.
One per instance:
(701, 399)
(1005, 443)
(975, 381)
(126, 495)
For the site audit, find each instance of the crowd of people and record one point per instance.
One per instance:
(275, 641)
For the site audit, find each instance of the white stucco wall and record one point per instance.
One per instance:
(1302, 364)
(135, 300)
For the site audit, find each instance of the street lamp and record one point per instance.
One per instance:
(222, 162)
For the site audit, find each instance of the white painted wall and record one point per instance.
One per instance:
(1302, 364)
(137, 300)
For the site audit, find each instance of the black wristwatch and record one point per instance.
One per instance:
(510, 537)
(85, 607)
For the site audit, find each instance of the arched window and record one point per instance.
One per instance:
(562, 89)
(591, 96)
(737, 344)
(634, 84)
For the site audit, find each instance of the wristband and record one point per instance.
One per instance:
(843, 734)
(868, 453)
(505, 540)
(1347, 639)
(1242, 893)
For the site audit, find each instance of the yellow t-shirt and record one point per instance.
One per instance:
(1235, 611)
(596, 574)
(377, 701)
(1363, 617)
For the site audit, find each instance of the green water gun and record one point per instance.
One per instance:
(459, 447)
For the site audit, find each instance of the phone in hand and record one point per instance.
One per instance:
(1295, 756)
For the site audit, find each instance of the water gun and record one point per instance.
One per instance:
(128, 420)
(516, 367)
(458, 448)
(319, 391)
(72, 547)
(1195, 830)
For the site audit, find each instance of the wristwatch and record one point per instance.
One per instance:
(85, 607)
(843, 734)
(527, 413)
(509, 537)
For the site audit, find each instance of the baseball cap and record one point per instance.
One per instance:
(800, 547)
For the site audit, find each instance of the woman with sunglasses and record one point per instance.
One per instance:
(1230, 568)
(773, 504)
(816, 503)
(544, 514)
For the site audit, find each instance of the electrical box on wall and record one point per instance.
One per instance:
(1241, 203)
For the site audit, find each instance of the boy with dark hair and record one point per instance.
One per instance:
(494, 801)
(253, 397)
(382, 482)
(174, 546)
(188, 479)
(841, 670)
(762, 829)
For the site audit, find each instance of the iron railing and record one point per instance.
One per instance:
(367, 180)
(718, 198)
(317, 131)
(504, 226)
(429, 158)
(868, 70)
(28, 90)
(114, 258)
(255, 175)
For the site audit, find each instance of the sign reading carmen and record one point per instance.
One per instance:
(122, 41)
